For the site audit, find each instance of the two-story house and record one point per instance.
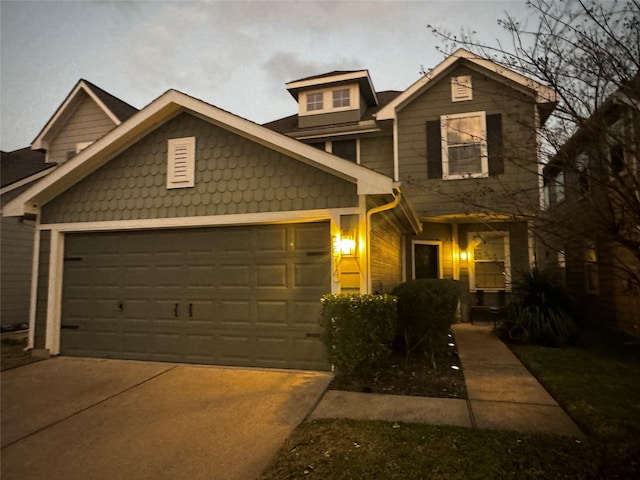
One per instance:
(590, 224)
(86, 114)
(462, 142)
(190, 234)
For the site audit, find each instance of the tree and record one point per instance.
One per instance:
(589, 53)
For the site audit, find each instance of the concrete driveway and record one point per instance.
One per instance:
(79, 418)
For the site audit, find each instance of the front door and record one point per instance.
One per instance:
(426, 260)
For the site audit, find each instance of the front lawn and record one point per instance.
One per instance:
(597, 382)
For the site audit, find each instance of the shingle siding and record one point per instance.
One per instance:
(87, 123)
(440, 197)
(233, 176)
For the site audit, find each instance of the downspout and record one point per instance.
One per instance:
(382, 208)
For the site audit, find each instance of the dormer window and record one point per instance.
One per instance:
(341, 98)
(315, 101)
(330, 100)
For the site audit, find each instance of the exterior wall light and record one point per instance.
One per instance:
(344, 245)
(463, 255)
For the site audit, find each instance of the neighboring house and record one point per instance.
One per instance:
(592, 215)
(190, 234)
(86, 114)
(18, 170)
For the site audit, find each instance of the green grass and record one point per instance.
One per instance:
(597, 382)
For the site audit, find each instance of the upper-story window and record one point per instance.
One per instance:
(315, 101)
(329, 100)
(558, 187)
(467, 145)
(464, 146)
(341, 98)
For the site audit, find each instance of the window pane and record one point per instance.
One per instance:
(465, 159)
(464, 130)
(490, 275)
(314, 102)
(341, 98)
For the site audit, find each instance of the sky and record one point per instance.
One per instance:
(236, 55)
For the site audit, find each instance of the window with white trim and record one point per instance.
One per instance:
(461, 89)
(341, 98)
(464, 145)
(558, 187)
(181, 162)
(315, 101)
(490, 266)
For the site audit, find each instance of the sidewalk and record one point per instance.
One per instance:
(502, 395)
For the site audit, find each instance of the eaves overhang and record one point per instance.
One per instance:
(163, 109)
(361, 77)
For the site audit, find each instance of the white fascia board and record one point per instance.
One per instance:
(544, 94)
(26, 180)
(160, 111)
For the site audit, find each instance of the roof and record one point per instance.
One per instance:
(117, 110)
(542, 93)
(289, 125)
(20, 164)
(161, 110)
(337, 77)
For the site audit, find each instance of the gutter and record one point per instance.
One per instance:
(382, 208)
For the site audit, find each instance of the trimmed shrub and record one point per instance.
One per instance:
(426, 310)
(539, 311)
(357, 331)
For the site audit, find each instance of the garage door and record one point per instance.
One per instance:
(231, 296)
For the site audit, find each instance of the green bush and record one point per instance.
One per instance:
(539, 311)
(426, 310)
(357, 331)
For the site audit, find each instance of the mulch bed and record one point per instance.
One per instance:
(414, 376)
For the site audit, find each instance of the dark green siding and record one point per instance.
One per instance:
(233, 176)
(514, 190)
(42, 298)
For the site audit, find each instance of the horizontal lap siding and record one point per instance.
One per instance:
(87, 123)
(233, 176)
(377, 154)
(15, 270)
(386, 254)
(516, 189)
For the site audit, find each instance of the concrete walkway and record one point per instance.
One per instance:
(502, 394)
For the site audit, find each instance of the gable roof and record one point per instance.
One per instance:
(117, 110)
(163, 109)
(542, 93)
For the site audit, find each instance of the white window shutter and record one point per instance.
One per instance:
(181, 162)
(461, 88)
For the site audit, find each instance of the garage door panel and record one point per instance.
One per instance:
(310, 275)
(246, 296)
(272, 240)
(233, 276)
(272, 275)
(272, 313)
